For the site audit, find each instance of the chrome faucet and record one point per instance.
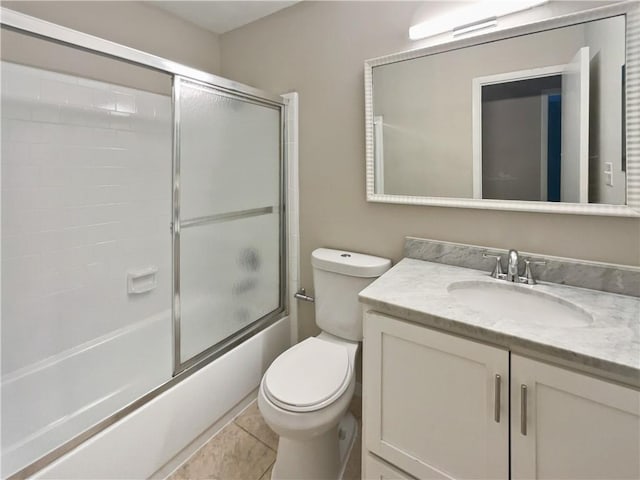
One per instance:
(512, 267)
(512, 274)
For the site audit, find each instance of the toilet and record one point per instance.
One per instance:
(305, 393)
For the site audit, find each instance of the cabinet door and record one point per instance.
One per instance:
(430, 401)
(575, 426)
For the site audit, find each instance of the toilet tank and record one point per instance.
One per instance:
(338, 277)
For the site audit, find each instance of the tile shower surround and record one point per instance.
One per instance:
(86, 182)
(621, 279)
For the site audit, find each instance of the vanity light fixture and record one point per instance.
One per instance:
(472, 27)
(481, 14)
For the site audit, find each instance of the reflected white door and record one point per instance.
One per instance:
(574, 182)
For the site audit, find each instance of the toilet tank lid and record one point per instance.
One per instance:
(349, 263)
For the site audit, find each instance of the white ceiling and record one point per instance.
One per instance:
(220, 17)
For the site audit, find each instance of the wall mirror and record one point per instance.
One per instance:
(541, 117)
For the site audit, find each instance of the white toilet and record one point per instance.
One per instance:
(306, 391)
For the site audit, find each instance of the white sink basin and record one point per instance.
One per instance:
(518, 302)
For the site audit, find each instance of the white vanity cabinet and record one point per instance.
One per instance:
(435, 408)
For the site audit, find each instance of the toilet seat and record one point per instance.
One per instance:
(309, 376)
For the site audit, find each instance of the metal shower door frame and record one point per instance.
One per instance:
(58, 34)
(219, 348)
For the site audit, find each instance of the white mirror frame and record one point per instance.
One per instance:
(632, 209)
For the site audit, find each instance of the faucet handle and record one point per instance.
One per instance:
(497, 269)
(528, 273)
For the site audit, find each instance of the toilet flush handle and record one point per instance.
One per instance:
(302, 295)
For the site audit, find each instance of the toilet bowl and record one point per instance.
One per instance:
(303, 397)
(305, 393)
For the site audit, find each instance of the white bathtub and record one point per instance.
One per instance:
(48, 403)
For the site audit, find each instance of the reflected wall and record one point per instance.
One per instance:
(426, 108)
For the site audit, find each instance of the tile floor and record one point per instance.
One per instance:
(246, 450)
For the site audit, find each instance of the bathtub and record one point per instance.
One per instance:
(46, 404)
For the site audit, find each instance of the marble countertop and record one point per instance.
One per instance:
(609, 346)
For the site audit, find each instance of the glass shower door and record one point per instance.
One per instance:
(228, 237)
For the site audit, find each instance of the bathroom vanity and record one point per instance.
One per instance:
(458, 387)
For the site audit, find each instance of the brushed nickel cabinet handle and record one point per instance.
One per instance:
(496, 401)
(523, 410)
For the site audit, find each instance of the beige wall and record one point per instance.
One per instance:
(36, 52)
(134, 24)
(318, 49)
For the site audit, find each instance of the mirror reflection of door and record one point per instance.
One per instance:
(534, 133)
(515, 161)
(575, 129)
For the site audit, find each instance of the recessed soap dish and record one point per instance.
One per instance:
(142, 280)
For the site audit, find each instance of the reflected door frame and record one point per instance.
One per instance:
(378, 152)
(476, 110)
